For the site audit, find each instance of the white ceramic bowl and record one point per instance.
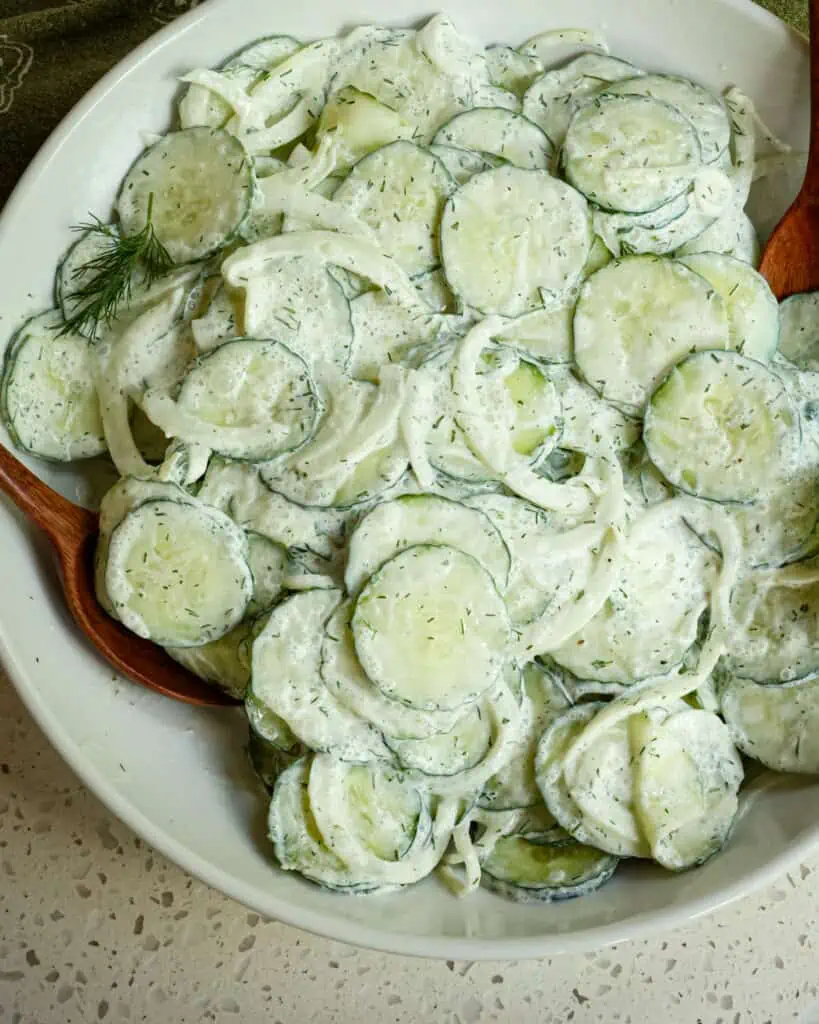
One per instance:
(178, 775)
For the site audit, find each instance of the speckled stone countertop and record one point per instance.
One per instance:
(94, 926)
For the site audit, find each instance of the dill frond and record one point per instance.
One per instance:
(112, 273)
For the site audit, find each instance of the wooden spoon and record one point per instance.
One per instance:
(73, 532)
(791, 258)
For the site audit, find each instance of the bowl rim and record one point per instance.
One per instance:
(327, 925)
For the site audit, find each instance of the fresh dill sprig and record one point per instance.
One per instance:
(112, 273)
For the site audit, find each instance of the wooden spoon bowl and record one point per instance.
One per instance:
(73, 533)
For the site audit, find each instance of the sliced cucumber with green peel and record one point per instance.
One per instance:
(704, 110)
(448, 753)
(506, 406)
(268, 561)
(544, 334)
(639, 316)
(224, 662)
(775, 725)
(399, 191)
(299, 302)
(431, 629)
(752, 307)
(246, 399)
(267, 761)
(463, 164)
(780, 639)
(194, 186)
(799, 330)
(552, 100)
(297, 842)
(605, 784)
(48, 397)
(345, 678)
(509, 232)
(361, 124)
(544, 576)
(514, 786)
(394, 526)
(590, 424)
(269, 726)
(511, 69)
(530, 872)
(500, 133)
(286, 678)
(687, 784)
(651, 616)
(630, 153)
(732, 234)
(718, 424)
(177, 573)
(385, 332)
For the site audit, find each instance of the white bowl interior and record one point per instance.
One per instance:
(178, 775)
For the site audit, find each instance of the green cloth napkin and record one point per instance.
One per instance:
(52, 52)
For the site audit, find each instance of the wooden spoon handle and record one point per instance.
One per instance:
(810, 190)
(65, 524)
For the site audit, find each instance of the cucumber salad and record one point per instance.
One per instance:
(458, 437)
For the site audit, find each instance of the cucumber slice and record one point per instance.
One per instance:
(780, 527)
(544, 334)
(636, 318)
(530, 872)
(688, 779)
(449, 753)
(732, 234)
(399, 191)
(514, 786)
(355, 455)
(297, 842)
(267, 761)
(799, 330)
(508, 409)
(285, 677)
(500, 133)
(413, 519)
(299, 302)
(425, 77)
(160, 556)
(463, 164)
(651, 616)
(268, 561)
(360, 125)
(224, 662)
(430, 628)
(557, 45)
(604, 783)
(545, 576)
(780, 639)
(752, 308)
(630, 153)
(48, 397)
(552, 100)
(195, 186)
(385, 332)
(511, 69)
(346, 680)
(246, 399)
(718, 423)
(509, 232)
(237, 490)
(590, 424)
(202, 107)
(367, 815)
(775, 725)
(268, 726)
(432, 419)
(704, 110)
